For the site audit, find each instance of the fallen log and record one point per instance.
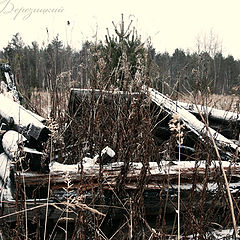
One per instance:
(158, 174)
(77, 96)
(190, 121)
(213, 113)
(22, 120)
(225, 122)
(6, 184)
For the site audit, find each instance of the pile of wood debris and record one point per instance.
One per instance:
(24, 133)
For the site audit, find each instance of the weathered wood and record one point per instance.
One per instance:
(77, 96)
(191, 122)
(161, 177)
(158, 175)
(22, 120)
(213, 113)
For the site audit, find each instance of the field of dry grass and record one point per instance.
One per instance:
(41, 100)
(223, 102)
(44, 102)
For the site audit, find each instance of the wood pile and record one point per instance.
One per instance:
(24, 133)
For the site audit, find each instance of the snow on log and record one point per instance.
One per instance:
(188, 118)
(87, 162)
(225, 122)
(213, 113)
(157, 174)
(31, 150)
(107, 155)
(23, 120)
(164, 168)
(5, 183)
(8, 84)
(222, 234)
(107, 150)
(36, 116)
(11, 141)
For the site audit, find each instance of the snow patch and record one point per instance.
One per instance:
(59, 167)
(188, 118)
(5, 184)
(108, 151)
(11, 141)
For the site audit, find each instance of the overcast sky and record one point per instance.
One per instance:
(170, 24)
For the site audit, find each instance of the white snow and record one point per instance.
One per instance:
(88, 163)
(31, 150)
(165, 167)
(5, 176)
(223, 234)
(4, 167)
(21, 117)
(217, 113)
(189, 119)
(108, 151)
(59, 167)
(36, 116)
(10, 142)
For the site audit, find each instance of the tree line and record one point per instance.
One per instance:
(121, 61)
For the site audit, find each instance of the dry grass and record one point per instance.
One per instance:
(45, 102)
(223, 102)
(41, 100)
(133, 143)
(99, 132)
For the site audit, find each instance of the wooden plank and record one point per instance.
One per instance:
(190, 121)
(212, 113)
(22, 120)
(157, 175)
